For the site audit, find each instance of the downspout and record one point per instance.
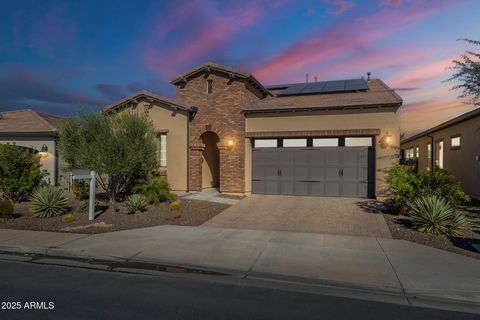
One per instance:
(432, 150)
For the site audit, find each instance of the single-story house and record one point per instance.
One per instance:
(36, 130)
(453, 145)
(226, 129)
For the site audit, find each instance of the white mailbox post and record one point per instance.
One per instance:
(91, 199)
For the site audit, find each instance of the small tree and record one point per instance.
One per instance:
(467, 71)
(120, 146)
(20, 171)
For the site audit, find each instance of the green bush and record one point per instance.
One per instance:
(135, 203)
(406, 186)
(48, 201)
(175, 205)
(20, 172)
(68, 217)
(433, 214)
(154, 189)
(99, 206)
(81, 190)
(6, 209)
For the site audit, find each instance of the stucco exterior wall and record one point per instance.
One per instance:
(177, 125)
(387, 122)
(48, 163)
(463, 163)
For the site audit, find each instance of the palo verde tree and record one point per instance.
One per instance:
(119, 147)
(467, 72)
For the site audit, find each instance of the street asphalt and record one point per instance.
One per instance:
(77, 293)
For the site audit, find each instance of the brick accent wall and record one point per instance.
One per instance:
(219, 112)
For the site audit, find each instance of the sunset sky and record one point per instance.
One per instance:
(62, 57)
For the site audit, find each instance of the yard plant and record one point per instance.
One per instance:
(121, 148)
(48, 201)
(6, 209)
(407, 186)
(155, 189)
(433, 214)
(20, 172)
(135, 203)
(81, 190)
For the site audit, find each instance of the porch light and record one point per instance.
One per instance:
(386, 140)
(43, 151)
(230, 143)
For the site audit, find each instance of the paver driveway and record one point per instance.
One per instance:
(302, 214)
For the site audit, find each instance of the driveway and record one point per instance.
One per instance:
(302, 214)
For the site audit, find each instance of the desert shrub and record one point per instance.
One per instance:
(175, 205)
(48, 201)
(68, 217)
(433, 214)
(135, 203)
(406, 186)
(81, 190)
(154, 189)
(20, 172)
(6, 209)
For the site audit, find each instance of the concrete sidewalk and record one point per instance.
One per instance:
(387, 265)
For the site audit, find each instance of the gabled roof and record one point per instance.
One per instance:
(464, 117)
(28, 122)
(145, 95)
(378, 94)
(230, 72)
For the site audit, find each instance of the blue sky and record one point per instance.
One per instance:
(66, 56)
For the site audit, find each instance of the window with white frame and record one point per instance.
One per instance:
(325, 142)
(294, 143)
(162, 150)
(409, 154)
(429, 151)
(417, 152)
(265, 143)
(455, 142)
(358, 142)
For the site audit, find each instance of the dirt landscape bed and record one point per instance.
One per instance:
(191, 213)
(400, 228)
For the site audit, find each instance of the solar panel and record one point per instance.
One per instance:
(325, 87)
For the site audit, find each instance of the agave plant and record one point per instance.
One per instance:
(433, 214)
(48, 201)
(135, 203)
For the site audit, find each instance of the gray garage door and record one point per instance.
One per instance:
(336, 171)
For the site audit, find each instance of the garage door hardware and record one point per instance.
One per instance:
(340, 172)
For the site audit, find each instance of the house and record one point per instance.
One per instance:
(453, 145)
(225, 129)
(36, 130)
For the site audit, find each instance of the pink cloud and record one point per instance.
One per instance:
(390, 3)
(207, 36)
(340, 7)
(301, 56)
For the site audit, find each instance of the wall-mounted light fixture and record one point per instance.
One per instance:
(230, 143)
(43, 151)
(386, 140)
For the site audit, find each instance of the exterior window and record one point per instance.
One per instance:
(325, 142)
(429, 155)
(294, 142)
(409, 154)
(455, 142)
(439, 154)
(209, 86)
(417, 152)
(358, 142)
(162, 150)
(266, 143)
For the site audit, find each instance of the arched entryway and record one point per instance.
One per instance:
(210, 160)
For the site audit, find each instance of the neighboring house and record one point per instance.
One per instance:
(36, 130)
(453, 145)
(225, 129)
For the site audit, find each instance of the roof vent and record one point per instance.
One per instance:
(1, 115)
(368, 75)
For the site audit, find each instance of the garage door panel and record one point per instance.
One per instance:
(312, 171)
(332, 189)
(317, 188)
(301, 188)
